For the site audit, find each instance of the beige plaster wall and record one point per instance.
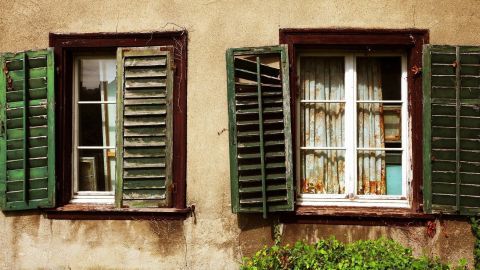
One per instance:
(215, 239)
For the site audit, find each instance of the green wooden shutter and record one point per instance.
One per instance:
(451, 81)
(27, 130)
(260, 130)
(144, 137)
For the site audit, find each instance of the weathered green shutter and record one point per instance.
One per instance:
(260, 130)
(451, 80)
(144, 119)
(27, 130)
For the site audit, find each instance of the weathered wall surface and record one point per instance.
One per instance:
(215, 239)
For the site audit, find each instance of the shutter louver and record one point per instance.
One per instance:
(452, 129)
(260, 130)
(145, 126)
(27, 150)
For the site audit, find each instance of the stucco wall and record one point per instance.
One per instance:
(215, 239)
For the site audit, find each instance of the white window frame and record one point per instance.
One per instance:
(88, 197)
(349, 198)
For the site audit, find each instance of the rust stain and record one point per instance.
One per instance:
(416, 70)
(431, 228)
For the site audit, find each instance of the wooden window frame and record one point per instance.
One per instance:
(409, 40)
(350, 102)
(97, 197)
(65, 46)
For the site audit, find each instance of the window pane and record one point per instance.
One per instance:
(96, 127)
(322, 124)
(96, 124)
(97, 80)
(379, 78)
(379, 123)
(379, 172)
(96, 170)
(324, 171)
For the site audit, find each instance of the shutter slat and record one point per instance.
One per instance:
(452, 129)
(147, 61)
(144, 162)
(260, 141)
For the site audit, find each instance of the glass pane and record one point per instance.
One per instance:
(96, 170)
(378, 125)
(379, 78)
(392, 123)
(379, 172)
(322, 124)
(97, 79)
(322, 78)
(96, 124)
(323, 171)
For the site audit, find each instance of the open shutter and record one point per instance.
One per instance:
(144, 139)
(451, 80)
(27, 149)
(260, 130)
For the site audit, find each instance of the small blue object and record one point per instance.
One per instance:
(394, 179)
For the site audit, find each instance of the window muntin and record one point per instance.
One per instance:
(94, 86)
(346, 142)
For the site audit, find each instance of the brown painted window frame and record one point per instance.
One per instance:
(409, 40)
(65, 45)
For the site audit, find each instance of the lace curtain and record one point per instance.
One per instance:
(323, 124)
(371, 164)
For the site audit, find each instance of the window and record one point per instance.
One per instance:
(95, 89)
(352, 129)
(352, 115)
(119, 146)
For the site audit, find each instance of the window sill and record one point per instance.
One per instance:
(109, 212)
(375, 216)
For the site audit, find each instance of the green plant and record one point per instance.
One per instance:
(476, 232)
(333, 254)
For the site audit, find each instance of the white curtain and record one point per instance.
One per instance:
(371, 164)
(322, 124)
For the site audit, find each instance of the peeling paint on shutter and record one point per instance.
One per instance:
(260, 130)
(144, 140)
(27, 126)
(451, 129)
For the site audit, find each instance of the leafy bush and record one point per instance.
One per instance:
(332, 254)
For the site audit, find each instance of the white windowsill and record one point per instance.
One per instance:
(92, 197)
(359, 202)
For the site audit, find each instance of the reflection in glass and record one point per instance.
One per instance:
(95, 114)
(96, 170)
